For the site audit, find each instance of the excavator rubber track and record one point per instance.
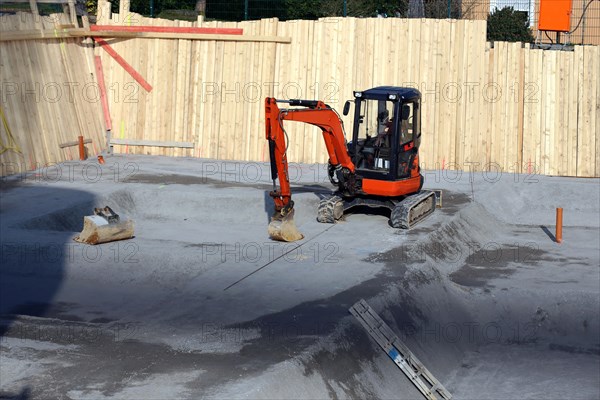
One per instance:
(413, 209)
(330, 209)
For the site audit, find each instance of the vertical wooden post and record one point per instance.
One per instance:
(73, 13)
(123, 10)
(559, 221)
(34, 9)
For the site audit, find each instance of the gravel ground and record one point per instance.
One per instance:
(201, 304)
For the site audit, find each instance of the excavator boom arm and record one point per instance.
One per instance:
(315, 113)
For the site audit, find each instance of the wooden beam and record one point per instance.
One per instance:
(74, 143)
(74, 33)
(134, 74)
(155, 143)
(36, 34)
(188, 36)
(166, 29)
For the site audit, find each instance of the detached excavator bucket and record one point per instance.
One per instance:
(104, 226)
(284, 228)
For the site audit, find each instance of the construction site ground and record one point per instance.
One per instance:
(202, 304)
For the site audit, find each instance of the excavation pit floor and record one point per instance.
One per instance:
(202, 304)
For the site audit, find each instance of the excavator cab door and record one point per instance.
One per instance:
(374, 135)
(407, 135)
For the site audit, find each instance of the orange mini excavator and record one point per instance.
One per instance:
(378, 168)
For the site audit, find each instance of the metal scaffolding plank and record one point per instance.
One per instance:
(420, 376)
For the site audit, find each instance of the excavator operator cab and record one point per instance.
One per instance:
(386, 133)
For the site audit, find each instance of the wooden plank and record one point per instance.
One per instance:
(240, 71)
(582, 140)
(456, 94)
(510, 163)
(560, 151)
(60, 118)
(318, 57)
(73, 13)
(37, 34)
(536, 165)
(297, 86)
(211, 96)
(34, 8)
(187, 133)
(227, 105)
(196, 104)
(490, 106)
(427, 79)
(501, 99)
(571, 109)
(549, 128)
(480, 112)
(179, 81)
(29, 113)
(252, 93)
(13, 66)
(527, 144)
(155, 70)
(124, 7)
(270, 73)
(590, 110)
(74, 143)
(153, 143)
(166, 29)
(448, 80)
(597, 134)
(215, 117)
(207, 50)
(65, 33)
(520, 109)
(134, 74)
(178, 36)
(167, 128)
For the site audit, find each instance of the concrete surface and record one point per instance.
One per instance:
(201, 304)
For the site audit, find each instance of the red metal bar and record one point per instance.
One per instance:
(134, 74)
(166, 29)
(103, 98)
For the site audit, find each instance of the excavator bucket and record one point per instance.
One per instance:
(283, 228)
(104, 226)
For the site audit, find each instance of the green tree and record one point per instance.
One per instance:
(508, 25)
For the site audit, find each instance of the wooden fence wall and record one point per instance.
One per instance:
(48, 96)
(485, 107)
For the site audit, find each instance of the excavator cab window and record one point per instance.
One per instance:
(407, 123)
(375, 135)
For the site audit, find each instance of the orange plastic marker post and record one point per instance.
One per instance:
(81, 149)
(559, 222)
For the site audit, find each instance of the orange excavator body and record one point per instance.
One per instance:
(380, 165)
